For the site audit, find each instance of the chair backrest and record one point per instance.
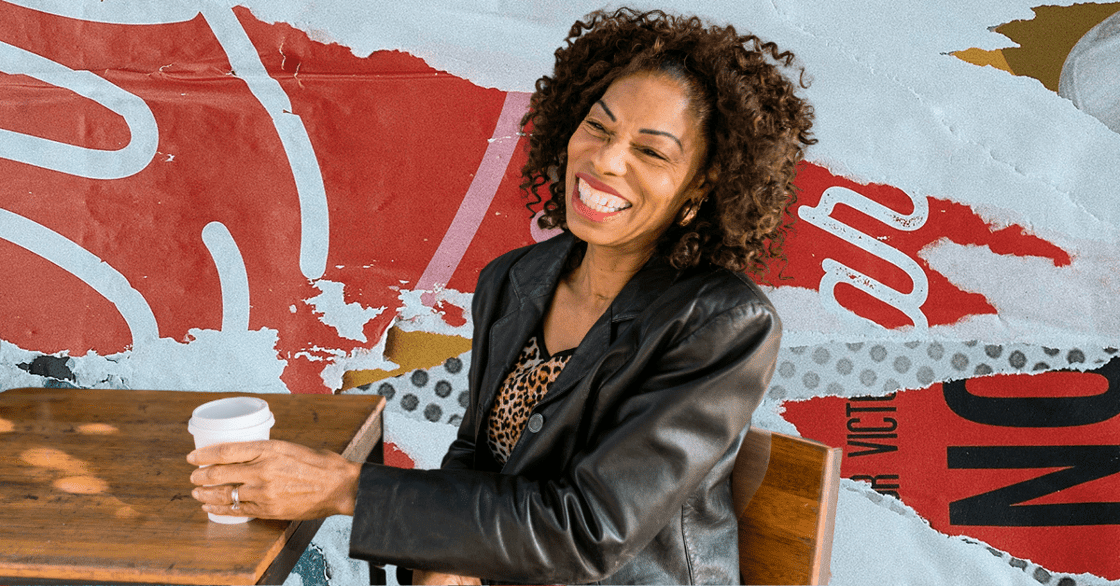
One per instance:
(786, 526)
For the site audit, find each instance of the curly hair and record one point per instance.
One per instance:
(755, 125)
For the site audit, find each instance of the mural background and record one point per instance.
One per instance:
(298, 196)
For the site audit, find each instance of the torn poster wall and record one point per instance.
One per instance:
(298, 196)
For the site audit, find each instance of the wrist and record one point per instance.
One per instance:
(348, 495)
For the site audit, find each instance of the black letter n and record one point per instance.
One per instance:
(1000, 507)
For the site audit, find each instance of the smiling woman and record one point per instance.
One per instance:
(615, 367)
(633, 163)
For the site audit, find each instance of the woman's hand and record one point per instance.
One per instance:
(422, 577)
(274, 480)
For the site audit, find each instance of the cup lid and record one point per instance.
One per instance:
(231, 413)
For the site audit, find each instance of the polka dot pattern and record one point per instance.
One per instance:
(441, 394)
(436, 395)
(860, 368)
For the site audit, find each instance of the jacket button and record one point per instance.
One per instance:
(536, 422)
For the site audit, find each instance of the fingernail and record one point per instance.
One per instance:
(191, 458)
(195, 493)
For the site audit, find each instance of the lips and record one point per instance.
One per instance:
(596, 200)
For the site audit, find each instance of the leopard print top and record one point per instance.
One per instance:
(531, 377)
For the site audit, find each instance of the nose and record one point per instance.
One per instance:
(610, 157)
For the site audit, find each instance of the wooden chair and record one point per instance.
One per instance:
(786, 527)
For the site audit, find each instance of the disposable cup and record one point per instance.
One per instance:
(234, 419)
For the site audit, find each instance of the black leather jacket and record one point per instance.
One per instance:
(622, 475)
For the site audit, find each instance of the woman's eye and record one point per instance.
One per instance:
(652, 153)
(596, 126)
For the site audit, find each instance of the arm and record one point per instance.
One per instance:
(587, 522)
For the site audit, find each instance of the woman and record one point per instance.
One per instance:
(615, 367)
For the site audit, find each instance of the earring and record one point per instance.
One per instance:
(687, 217)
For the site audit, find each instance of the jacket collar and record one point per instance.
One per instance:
(536, 275)
(534, 278)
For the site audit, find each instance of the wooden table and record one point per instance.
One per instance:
(95, 487)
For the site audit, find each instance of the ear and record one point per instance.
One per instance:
(698, 191)
(689, 209)
(701, 185)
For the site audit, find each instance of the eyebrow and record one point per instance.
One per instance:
(642, 130)
(663, 133)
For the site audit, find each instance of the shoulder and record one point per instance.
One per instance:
(713, 290)
(715, 301)
(532, 261)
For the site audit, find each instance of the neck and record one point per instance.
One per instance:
(602, 274)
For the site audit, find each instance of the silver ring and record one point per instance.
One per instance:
(236, 501)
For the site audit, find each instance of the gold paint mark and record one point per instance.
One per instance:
(81, 485)
(410, 350)
(984, 58)
(97, 429)
(1044, 41)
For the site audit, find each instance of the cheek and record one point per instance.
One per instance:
(578, 144)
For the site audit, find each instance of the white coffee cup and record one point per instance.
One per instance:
(234, 419)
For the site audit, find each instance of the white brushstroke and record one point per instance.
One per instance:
(479, 195)
(72, 159)
(231, 275)
(314, 215)
(1091, 73)
(836, 273)
(81, 263)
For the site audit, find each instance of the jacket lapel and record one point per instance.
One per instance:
(643, 288)
(532, 280)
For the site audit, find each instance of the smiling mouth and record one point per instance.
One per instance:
(600, 201)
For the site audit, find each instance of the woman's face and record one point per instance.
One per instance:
(632, 163)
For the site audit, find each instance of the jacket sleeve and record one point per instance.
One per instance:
(592, 518)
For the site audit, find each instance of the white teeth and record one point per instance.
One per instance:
(600, 201)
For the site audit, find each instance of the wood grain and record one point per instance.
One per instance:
(96, 484)
(786, 528)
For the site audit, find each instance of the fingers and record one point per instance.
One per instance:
(219, 500)
(221, 474)
(229, 453)
(218, 495)
(244, 509)
(422, 577)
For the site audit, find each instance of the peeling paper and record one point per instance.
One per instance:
(11, 376)
(892, 107)
(348, 319)
(1038, 302)
(425, 443)
(209, 361)
(357, 359)
(876, 537)
(888, 96)
(419, 312)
